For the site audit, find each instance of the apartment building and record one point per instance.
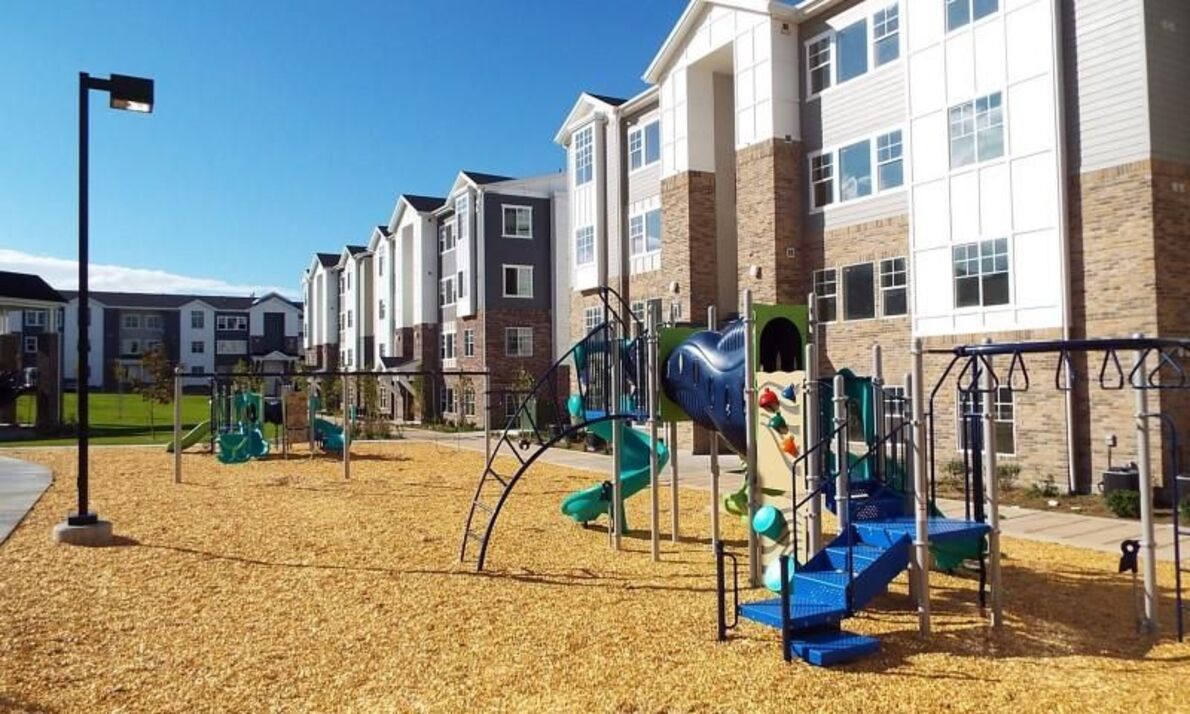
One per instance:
(31, 317)
(355, 307)
(320, 292)
(947, 169)
(203, 333)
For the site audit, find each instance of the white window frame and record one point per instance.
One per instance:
(888, 159)
(980, 275)
(842, 279)
(520, 337)
(518, 211)
(638, 144)
(971, 116)
(200, 344)
(448, 348)
(825, 171)
(836, 170)
(880, 31)
(638, 227)
(35, 318)
(468, 401)
(447, 292)
(829, 36)
(584, 156)
(820, 296)
(154, 322)
(592, 318)
(30, 344)
(447, 234)
(521, 270)
(581, 235)
(380, 308)
(999, 404)
(972, 21)
(469, 342)
(130, 321)
(832, 54)
(893, 273)
(200, 317)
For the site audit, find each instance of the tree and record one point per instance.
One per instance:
(121, 374)
(156, 383)
(244, 381)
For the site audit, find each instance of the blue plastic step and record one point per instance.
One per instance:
(824, 649)
(876, 508)
(802, 614)
(886, 531)
(861, 555)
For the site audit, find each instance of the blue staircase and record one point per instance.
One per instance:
(846, 575)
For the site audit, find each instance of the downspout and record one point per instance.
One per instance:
(1064, 229)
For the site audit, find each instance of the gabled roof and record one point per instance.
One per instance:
(328, 260)
(356, 249)
(606, 99)
(379, 233)
(159, 301)
(589, 104)
(481, 178)
(26, 286)
(692, 15)
(423, 204)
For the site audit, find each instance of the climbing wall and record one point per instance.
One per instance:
(779, 439)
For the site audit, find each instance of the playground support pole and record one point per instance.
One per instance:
(1148, 539)
(673, 478)
(842, 463)
(714, 448)
(654, 466)
(810, 396)
(921, 490)
(993, 492)
(285, 390)
(752, 479)
(178, 424)
(617, 523)
(487, 415)
(346, 428)
(878, 406)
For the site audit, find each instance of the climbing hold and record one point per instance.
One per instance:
(768, 399)
(772, 575)
(789, 446)
(790, 392)
(769, 522)
(777, 421)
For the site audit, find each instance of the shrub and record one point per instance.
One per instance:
(1124, 503)
(1007, 475)
(1046, 489)
(953, 474)
(1185, 509)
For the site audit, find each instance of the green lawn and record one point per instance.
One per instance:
(118, 419)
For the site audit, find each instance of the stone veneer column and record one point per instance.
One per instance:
(688, 240)
(769, 200)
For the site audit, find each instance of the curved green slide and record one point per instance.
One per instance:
(330, 434)
(236, 448)
(192, 437)
(590, 503)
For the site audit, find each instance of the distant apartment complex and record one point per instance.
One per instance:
(202, 333)
(949, 169)
(466, 282)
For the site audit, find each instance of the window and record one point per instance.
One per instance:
(976, 131)
(446, 292)
(198, 347)
(198, 319)
(962, 12)
(518, 341)
(1003, 418)
(593, 317)
(889, 170)
(152, 345)
(446, 400)
(518, 221)
(822, 178)
(31, 344)
(469, 342)
(446, 343)
(468, 402)
(896, 405)
(349, 320)
(981, 273)
(380, 263)
(131, 322)
(855, 171)
(518, 281)
(380, 309)
(894, 287)
(584, 245)
(460, 285)
(826, 292)
(859, 292)
(463, 217)
(231, 322)
(196, 370)
(818, 60)
(152, 322)
(885, 30)
(644, 232)
(383, 350)
(852, 45)
(130, 347)
(235, 347)
(446, 235)
(512, 405)
(644, 145)
(583, 156)
(36, 318)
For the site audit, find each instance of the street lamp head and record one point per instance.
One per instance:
(134, 94)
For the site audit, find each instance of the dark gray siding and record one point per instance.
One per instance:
(499, 251)
(1167, 38)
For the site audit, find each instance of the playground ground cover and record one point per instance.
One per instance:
(278, 585)
(116, 419)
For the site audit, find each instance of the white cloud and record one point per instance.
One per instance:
(63, 274)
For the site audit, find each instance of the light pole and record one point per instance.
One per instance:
(130, 94)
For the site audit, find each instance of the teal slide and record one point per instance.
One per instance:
(236, 448)
(331, 435)
(590, 503)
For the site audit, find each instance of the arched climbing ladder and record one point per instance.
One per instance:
(620, 335)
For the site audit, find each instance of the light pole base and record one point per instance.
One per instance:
(95, 534)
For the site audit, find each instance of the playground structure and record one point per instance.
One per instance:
(755, 383)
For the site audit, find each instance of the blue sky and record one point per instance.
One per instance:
(283, 127)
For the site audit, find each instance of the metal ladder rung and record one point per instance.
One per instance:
(491, 472)
(482, 506)
(473, 536)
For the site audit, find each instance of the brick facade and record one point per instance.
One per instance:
(769, 199)
(688, 244)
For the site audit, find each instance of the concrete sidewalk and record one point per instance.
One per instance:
(21, 484)
(1090, 532)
